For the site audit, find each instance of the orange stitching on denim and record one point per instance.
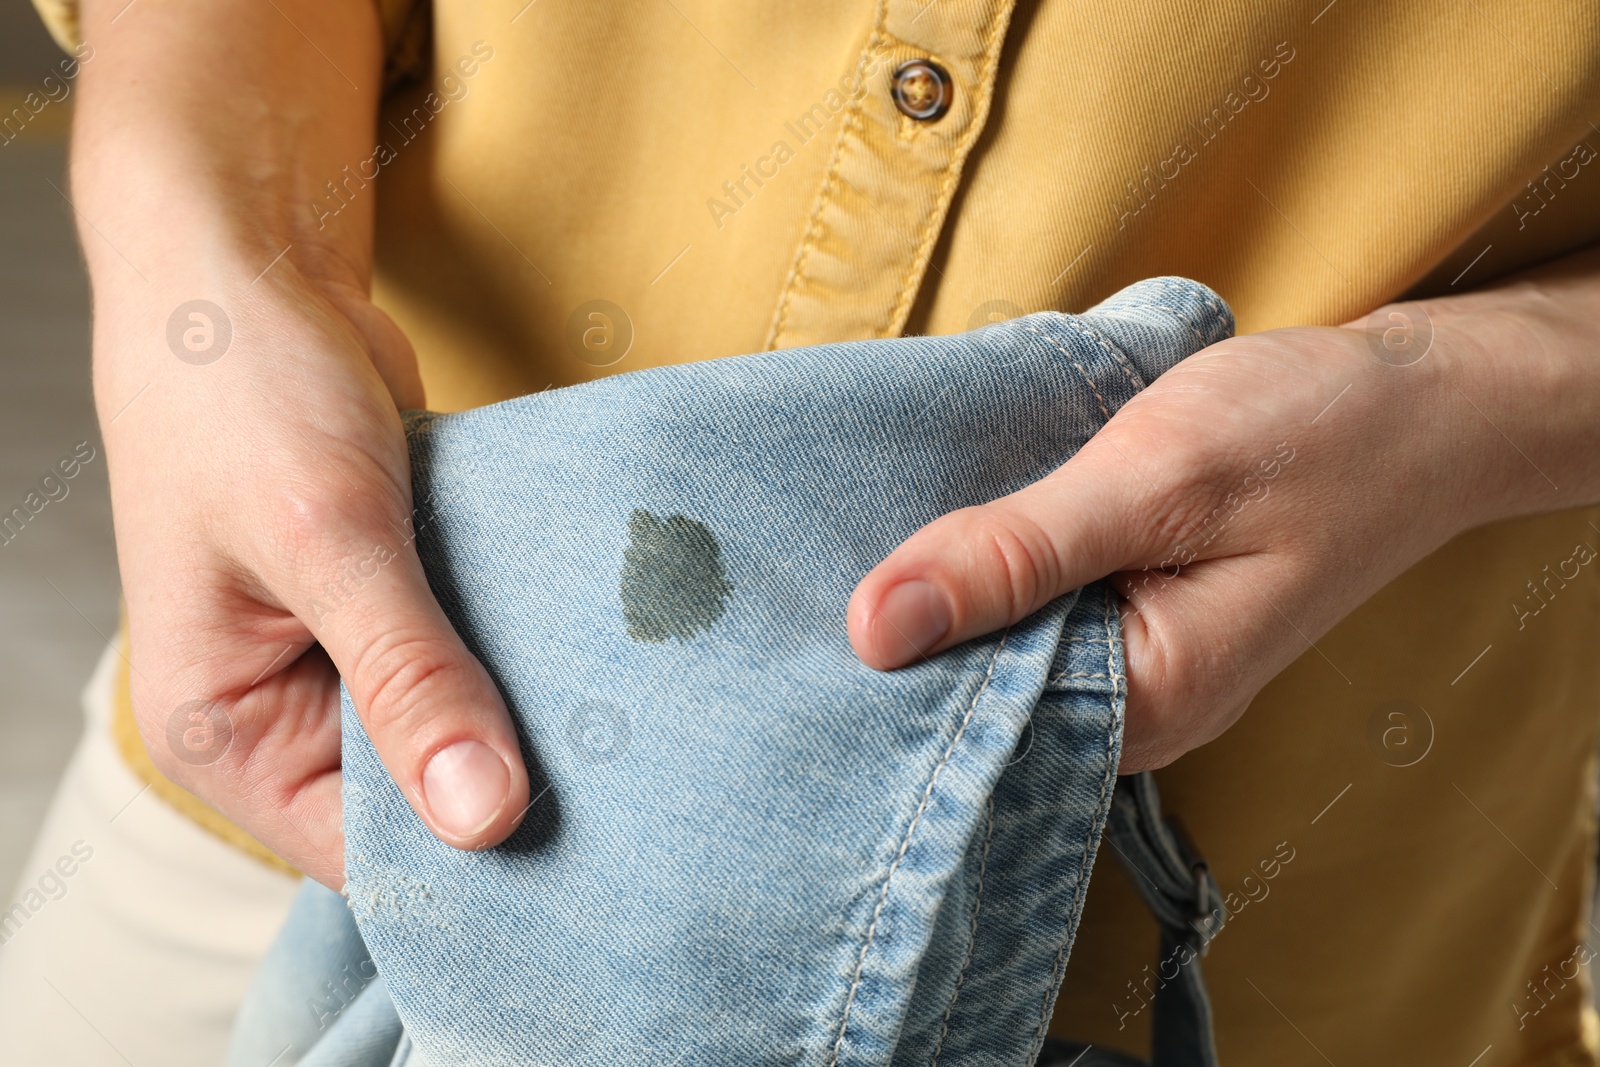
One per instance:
(1053, 679)
(1115, 352)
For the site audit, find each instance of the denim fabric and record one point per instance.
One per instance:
(316, 991)
(1176, 883)
(747, 848)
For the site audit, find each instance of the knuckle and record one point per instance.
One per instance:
(1015, 560)
(319, 522)
(165, 761)
(1189, 503)
(178, 733)
(301, 521)
(392, 677)
(1185, 691)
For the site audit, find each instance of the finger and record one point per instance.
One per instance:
(432, 712)
(1202, 645)
(979, 569)
(287, 792)
(279, 774)
(262, 746)
(1187, 644)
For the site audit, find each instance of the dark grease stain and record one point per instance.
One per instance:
(673, 581)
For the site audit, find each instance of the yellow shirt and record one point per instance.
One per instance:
(732, 177)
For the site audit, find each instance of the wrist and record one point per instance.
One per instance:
(220, 324)
(1515, 396)
(158, 228)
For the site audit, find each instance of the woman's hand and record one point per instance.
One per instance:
(265, 532)
(248, 394)
(1262, 489)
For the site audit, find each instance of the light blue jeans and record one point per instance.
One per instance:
(746, 848)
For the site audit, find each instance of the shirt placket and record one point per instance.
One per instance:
(891, 177)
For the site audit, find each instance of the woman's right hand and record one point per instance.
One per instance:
(249, 396)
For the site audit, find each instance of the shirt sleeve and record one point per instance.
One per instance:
(406, 25)
(61, 19)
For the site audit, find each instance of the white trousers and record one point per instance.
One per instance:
(133, 934)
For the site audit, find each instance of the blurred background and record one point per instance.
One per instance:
(58, 576)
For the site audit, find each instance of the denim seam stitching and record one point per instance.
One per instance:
(1084, 674)
(1205, 297)
(905, 846)
(1214, 306)
(1053, 343)
(1117, 355)
(1187, 323)
(1083, 864)
(972, 937)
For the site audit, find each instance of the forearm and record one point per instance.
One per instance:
(1516, 390)
(244, 480)
(206, 129)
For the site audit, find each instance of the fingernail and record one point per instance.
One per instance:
(465, 786)
(912, 618)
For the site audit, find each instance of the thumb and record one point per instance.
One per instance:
(980, 569)
(432, 712)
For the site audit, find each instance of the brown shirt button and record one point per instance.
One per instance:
(923, 90)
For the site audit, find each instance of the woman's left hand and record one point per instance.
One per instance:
(1258, 492)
